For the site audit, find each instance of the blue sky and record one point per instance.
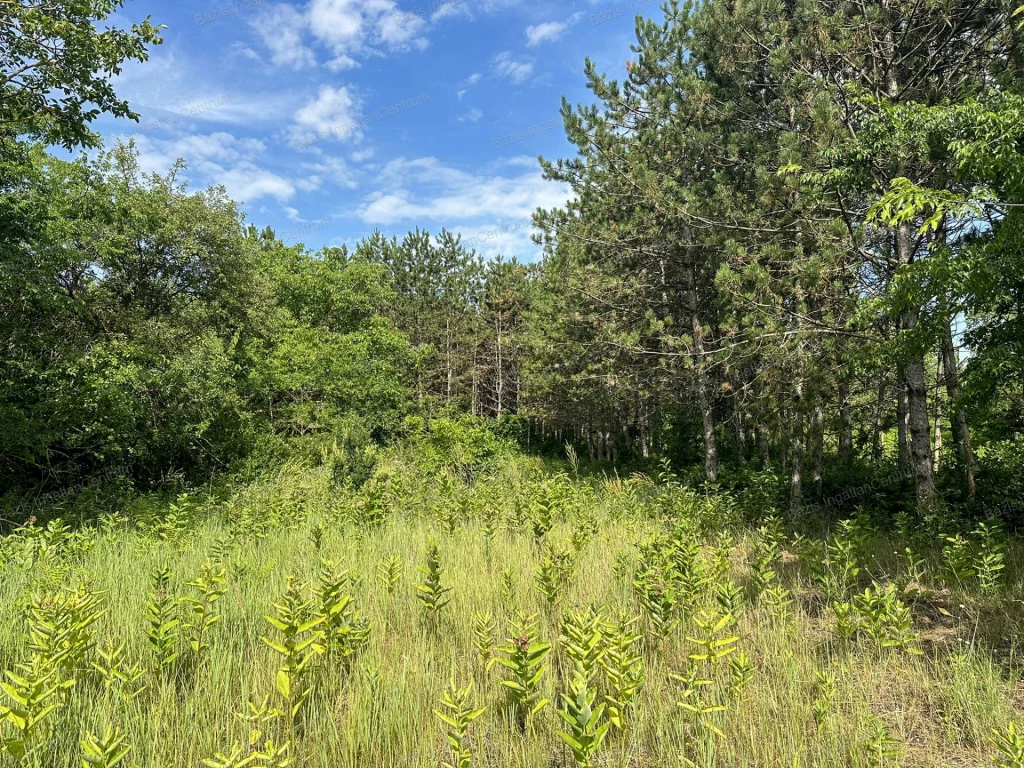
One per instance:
(328, 119)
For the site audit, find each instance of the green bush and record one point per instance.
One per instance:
(462, 446)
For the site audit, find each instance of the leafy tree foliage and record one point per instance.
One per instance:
(794, 245)
(787, 215)
(147, 327)
(56, 64)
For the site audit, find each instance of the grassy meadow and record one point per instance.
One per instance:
(291, 392)
(670, 627)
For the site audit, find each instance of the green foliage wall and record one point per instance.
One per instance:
(146, 327)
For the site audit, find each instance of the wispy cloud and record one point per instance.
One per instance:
(517, 70)
(218, 158)
(425, 191)
(281, 29)
(544, 33)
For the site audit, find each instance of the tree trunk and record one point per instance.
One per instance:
(902, 423)
(642, 424)
(937, 431)
(913, 370)
(741, 441)
(845, 425)
(474, 407)
(920, 439)
(961, 432)
(876, 443)
(796, 476)
(499, 385)
(817, 446)
(783, 441)
(700, 365)
(765, 443)
(917, 391)
(449, 375)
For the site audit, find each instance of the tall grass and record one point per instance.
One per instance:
(931, 700)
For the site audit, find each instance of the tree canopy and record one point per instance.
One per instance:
(794, 244)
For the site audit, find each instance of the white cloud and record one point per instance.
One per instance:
(542, 33)
(198, 150)
(508, 238)
(247, 181)
(444, 9)
(505, 65)
(328, 115)
(521, 161)
(362, 155)
(172, 93)
(347, 28)
(227, 108)
(468, 82)
(218, 158)
(336, 22)
(342, 62)
(398, 30)
(473, 116)
(281, 28)
(335, 169)
(494, 209)
(240, 49)
(493, 6)
(353, 27)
